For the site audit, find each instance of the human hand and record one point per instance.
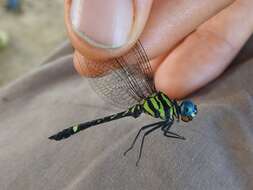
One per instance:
(189, 42)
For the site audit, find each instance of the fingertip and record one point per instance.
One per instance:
(93, 52)
(171, 84)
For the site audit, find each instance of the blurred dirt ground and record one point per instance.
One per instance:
(34, 33)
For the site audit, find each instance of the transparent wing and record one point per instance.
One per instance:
(122, 81)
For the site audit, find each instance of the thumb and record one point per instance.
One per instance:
(101, 30)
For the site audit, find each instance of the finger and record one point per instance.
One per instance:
(207, 52)
(105, 29)
(171, 21)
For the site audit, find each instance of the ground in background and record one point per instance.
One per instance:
(34, 33)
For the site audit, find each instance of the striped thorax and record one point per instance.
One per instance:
(158, 105)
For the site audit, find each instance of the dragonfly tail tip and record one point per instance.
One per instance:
(54, 137)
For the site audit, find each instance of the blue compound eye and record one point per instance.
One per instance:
(188, 110)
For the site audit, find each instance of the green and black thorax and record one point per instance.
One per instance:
(157, 105)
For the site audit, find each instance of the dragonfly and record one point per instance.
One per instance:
(126, 82)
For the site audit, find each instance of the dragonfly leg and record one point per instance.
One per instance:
(168, 133)
(142, 141)
(167, 125)
(173, 135)
(138, 134)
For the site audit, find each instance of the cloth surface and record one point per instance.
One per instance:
(217, 153)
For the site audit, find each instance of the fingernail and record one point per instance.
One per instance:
(103, 23)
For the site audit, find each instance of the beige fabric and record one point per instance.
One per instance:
(218, 152)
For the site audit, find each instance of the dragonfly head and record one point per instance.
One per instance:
(188, 110)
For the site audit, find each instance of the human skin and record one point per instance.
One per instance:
(189, 42)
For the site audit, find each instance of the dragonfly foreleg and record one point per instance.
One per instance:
(168, 133)
(138, 134)
(173, 135)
